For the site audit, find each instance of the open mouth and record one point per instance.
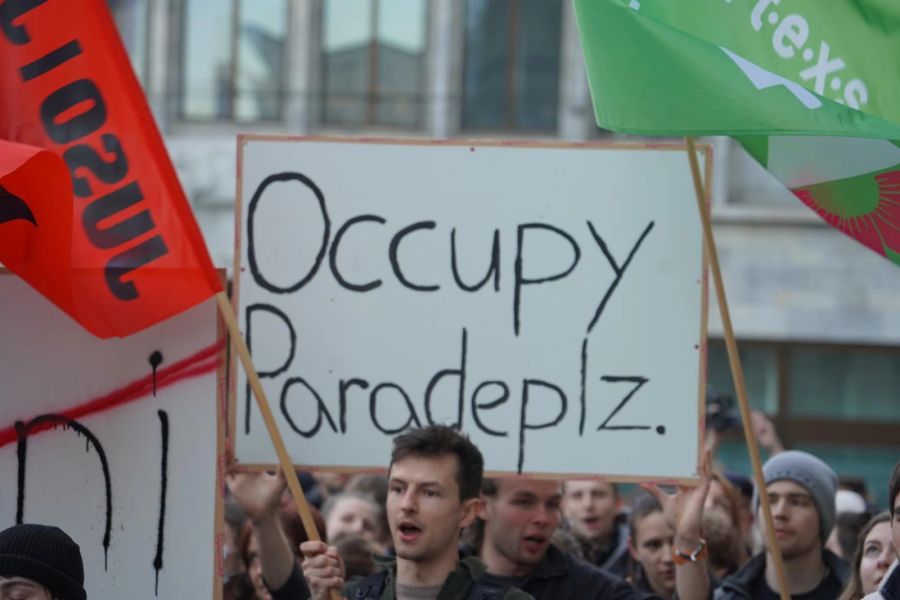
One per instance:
(409, 531)
(534, 543)
(782, 533)
(591, 522)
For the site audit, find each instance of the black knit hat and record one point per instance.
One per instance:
(46, 555)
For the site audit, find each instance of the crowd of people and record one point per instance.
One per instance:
(435, 528)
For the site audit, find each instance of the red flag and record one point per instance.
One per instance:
(117, 246)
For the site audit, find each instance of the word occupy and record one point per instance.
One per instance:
(522, 274)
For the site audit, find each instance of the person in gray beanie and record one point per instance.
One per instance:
(801, 490)
(813, 474)
(40, 562)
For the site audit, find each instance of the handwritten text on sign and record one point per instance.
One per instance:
(545, 299)
(115, 442)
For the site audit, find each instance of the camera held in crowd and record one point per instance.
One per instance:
(722, 413)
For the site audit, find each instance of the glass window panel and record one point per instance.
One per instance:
(401, 24)
(512, 64)
(760, 366)
(485, 76)
(131, 21)
(401, 49)
(537, 65)
(347, 24)
(398, 101)
(845, 384)
(345, 56)
(373, 55)
(260, 62)
(206, 85)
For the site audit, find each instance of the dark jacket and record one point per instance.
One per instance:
(293, 589)
(638, 578)
(738, 585)
(616, 559)
(456, 587)
(559, 576)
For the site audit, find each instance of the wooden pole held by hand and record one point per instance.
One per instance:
(737, 372)
(309, 525)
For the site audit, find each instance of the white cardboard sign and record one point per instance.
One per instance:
(548, 299)
(130, 476)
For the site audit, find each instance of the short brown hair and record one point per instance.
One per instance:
(439, 440)
(644, 505)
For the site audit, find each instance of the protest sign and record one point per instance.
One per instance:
(548, 299)
(116, 442)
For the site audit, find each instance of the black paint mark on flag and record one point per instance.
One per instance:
(13, 208)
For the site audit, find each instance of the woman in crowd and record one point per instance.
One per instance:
(873, 557)
(650, 546)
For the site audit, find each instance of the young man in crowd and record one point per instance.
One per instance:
(349, 514)
(434, 486)
(593, 511)
(40, 562)
(519, 517)
(801, 491)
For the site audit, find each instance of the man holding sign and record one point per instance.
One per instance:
(434, 486)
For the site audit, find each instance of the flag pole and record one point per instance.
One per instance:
(284, 459)
(737, 372)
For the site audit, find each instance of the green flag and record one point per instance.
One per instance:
(810, 88)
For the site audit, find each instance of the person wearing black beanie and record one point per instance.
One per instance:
(41, 559)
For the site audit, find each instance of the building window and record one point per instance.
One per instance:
(373, 59)
(233, 60)
(834, 383)
(511, 76)
(131, 18)
(840, 402)
(760, 366)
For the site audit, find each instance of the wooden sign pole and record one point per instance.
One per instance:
(227, 312)
(737, 372)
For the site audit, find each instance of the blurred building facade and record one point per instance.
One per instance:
(817, 315)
